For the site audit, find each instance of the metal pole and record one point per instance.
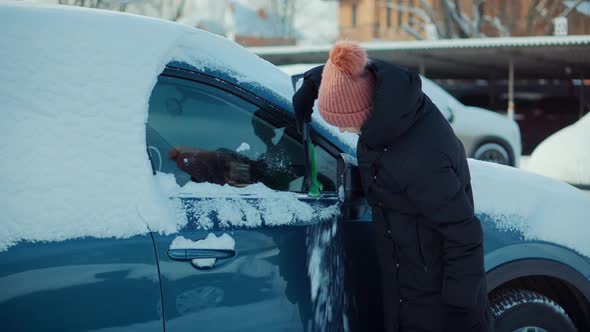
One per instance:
(511, 90)
(581, 97)
(492, 91)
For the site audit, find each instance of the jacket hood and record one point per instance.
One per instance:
(397, 104)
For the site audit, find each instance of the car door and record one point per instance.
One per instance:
(80, 285)
(254, 252)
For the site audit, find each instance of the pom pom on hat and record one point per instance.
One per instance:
(349, 57)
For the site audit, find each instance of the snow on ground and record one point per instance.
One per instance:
(524, 162)
(565, 155)
(75, 102)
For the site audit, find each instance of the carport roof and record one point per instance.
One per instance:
(533, 57)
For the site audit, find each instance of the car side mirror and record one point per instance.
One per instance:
(354, 204)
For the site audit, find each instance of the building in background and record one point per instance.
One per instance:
(367, 20)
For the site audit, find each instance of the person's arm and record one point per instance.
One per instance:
(441, 199)
(305, 97)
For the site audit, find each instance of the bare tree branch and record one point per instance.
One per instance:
(495, 21)
(412, 31)
(460, 20)
(531, 17)
(569, 10)
(477, 8)
(414, 10)
(179, 10)
(427, 9)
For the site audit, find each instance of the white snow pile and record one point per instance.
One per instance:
(243, 147)
(210, 242)
(250, 206)
(565, 155)
(74, 106)
(538, 207)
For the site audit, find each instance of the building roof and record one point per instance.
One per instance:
(533, 57)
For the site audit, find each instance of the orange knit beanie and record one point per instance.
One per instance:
(346, 92)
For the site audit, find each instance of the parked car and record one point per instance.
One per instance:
(485, 135)
(541, 107)
(153, 180)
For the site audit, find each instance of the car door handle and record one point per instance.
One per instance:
(190, 254)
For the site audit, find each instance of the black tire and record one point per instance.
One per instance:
(493, 152)
(519, 309)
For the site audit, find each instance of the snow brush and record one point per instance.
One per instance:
(312, 183)
(315, 185)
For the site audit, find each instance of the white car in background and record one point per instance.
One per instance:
(486, 135)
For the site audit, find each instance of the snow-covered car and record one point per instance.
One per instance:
(153, 179)
(565, 155)
(485, 135)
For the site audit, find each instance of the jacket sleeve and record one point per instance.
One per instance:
(443, 201)
(306, 95)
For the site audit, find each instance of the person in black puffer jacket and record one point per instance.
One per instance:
(416, 178)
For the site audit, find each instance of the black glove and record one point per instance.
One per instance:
(305, 97)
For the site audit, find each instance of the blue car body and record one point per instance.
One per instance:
(265, 282)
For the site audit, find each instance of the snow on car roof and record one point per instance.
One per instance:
(75, 89)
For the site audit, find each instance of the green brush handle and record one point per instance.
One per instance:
(315, 185)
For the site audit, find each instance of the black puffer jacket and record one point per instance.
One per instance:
(416, 178)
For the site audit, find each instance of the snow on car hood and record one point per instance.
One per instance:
(565, 155)
(75, 100)
(538, 207)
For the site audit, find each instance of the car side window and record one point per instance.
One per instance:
(201, 133)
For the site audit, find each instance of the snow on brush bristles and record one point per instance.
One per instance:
(349, 57)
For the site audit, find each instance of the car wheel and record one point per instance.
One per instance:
(520, 310)
(492, 152)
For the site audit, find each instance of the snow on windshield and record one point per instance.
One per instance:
(75, 101)
(565, 155)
